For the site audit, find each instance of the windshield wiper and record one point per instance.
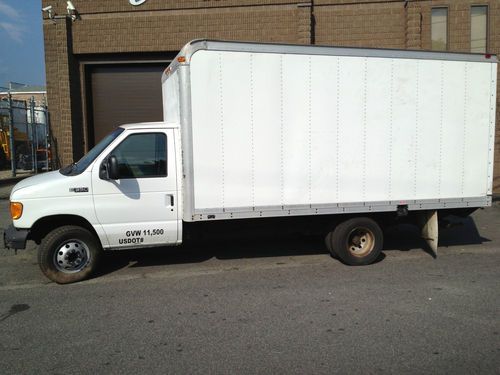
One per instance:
(67, 170)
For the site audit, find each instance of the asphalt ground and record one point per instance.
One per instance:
(280, 306)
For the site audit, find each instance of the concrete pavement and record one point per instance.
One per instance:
(277, 306)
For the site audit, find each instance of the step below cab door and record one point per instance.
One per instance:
(140, 207)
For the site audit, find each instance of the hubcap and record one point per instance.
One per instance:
(72, 256)
(360, 241)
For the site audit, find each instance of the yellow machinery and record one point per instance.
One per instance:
(19, 137)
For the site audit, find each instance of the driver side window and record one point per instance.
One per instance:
(142, 155)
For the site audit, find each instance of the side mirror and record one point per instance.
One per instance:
(112, 167)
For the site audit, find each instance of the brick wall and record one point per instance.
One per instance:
(58, 90)
(379, 24)
(170, 30)
(114, 26)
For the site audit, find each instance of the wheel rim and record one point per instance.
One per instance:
(360, 242)
(72, 256)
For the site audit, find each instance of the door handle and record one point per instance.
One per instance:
(170, 199)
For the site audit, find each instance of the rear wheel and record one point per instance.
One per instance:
(328, 244)
(69, 254)
(357, 241)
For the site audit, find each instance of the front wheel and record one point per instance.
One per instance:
(69, 254)
(357, 241)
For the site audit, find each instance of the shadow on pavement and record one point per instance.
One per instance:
(462, 231)
(400, 238)
(219, 249)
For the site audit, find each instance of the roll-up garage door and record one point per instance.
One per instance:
(122, 94)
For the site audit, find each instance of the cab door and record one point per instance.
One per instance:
(140, 207)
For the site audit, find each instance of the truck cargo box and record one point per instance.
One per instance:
(273, 130)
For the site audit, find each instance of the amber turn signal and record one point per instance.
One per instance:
(16, 210)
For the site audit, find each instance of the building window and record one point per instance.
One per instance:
(478, 28)
(439, 28)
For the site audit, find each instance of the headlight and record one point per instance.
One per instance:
(16, 210)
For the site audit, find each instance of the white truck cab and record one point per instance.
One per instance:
(354, 136)
(124, 193)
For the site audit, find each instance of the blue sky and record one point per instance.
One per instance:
(21, 42)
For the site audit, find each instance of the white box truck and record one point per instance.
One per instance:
(257, 131)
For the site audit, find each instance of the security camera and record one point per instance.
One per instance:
(70, 7)
(48, 10)
(72, 12)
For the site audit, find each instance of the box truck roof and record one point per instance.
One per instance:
(193, 46)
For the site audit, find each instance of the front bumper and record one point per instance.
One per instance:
(14, 238)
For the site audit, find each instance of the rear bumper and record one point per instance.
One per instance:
(14, 238)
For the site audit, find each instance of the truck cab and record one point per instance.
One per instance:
(125, 193)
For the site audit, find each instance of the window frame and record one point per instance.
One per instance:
(447, 47)
(143, 133)
(487, 27)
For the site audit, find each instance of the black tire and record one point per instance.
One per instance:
(77, 251)
(357, 241)
(328, 242)
(328, 245)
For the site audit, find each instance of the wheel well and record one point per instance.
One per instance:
(381, 218)
(44, 225)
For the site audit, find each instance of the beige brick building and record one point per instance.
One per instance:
(103, 68)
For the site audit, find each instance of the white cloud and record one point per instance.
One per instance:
(8, 11)
(10, 22)
(14, 31)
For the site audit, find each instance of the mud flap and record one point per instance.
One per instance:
(430, 232)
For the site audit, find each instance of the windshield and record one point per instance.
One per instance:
(88, 158)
